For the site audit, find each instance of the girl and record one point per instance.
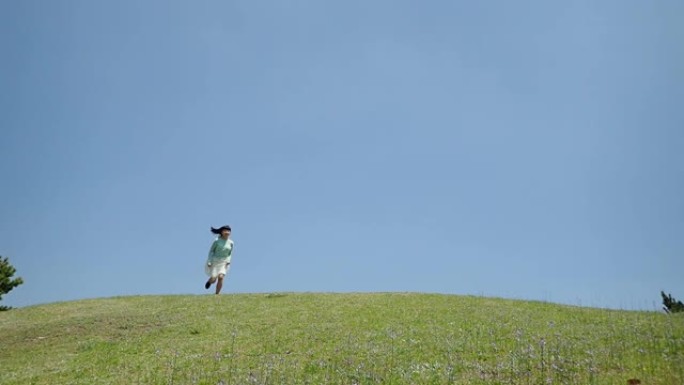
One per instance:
(218, 262)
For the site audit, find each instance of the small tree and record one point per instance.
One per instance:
(6, 281)
(671, 305)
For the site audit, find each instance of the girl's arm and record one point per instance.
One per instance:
(212, 250)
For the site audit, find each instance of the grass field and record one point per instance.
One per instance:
(336, 339)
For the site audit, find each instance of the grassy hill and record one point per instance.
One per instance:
(335, 339)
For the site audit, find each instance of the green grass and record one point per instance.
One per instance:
(336, 339)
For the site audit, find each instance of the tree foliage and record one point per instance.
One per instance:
(7, 271)
(671, 305)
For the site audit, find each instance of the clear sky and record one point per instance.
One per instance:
(528, 149)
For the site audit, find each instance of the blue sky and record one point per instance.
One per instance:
(512, 149)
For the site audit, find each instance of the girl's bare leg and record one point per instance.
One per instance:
(209, 282)
(219, 284)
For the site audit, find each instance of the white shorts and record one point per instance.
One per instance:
(216, 268)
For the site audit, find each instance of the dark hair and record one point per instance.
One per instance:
(220, 229)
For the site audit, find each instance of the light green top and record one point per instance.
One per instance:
(221, 250)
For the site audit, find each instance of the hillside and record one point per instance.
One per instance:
(335, 339)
